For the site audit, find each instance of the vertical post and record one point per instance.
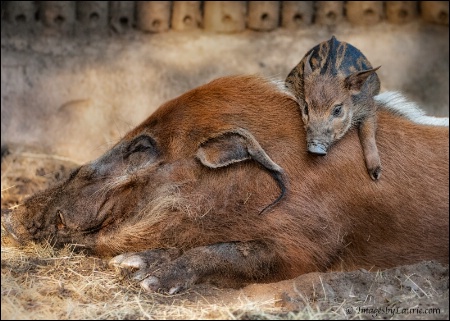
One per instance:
(400, 12)
(296, 14)
(18, 16)
(3, 7)
(435, 11)
(263, 15)
(329, 13)
(186, 15)
(153, 16)
(19, 12)
(364, 12)
(58, 15)
(224, 16)
(121, 15)
(92, 15)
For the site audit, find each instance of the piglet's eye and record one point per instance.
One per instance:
(337, 111)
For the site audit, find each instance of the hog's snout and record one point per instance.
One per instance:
(317, 148)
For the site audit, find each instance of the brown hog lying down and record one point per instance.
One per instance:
(217, 186)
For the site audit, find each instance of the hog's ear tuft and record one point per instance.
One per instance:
(356, 80)
(238, 145)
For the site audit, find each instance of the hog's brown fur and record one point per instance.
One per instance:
(153, 191)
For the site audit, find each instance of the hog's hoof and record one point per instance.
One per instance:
(138, 265)
(161, 270)
(128, 260)
(152, 284)
(170, 279)
(129, 265)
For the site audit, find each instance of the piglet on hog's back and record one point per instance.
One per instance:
(335, 85)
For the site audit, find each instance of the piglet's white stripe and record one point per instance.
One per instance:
(398, 104)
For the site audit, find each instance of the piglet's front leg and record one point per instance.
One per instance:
(238, 261)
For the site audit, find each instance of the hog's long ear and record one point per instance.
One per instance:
(235, 146)
(355, 81)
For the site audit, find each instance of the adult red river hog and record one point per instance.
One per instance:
(217, 186)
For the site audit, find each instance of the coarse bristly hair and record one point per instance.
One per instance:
(398, 104)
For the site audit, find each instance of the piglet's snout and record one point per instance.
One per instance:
(318, 138)
(317, 148)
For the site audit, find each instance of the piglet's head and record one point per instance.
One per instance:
(331, 105)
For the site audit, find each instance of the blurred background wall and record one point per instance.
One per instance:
(77, 75)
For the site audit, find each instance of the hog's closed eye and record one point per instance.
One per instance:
(142, 143)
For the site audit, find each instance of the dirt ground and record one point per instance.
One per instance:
(39, 282)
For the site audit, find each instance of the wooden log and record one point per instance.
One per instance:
(329, 13)
(224, 16)
(296, 14)
(19, 12)
(92, 15)
(186, 15)
(400, 12)
(121, 15)
(263, 15)
(364, 12)
(153, 16)
(58, 15)
(435, 11)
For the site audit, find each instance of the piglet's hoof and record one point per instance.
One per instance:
(375, 173)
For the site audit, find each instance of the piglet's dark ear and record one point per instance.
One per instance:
(235, 146)
(307, 70)
(355, 81)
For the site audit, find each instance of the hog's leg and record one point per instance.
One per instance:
(367, 131)
(243, 261)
